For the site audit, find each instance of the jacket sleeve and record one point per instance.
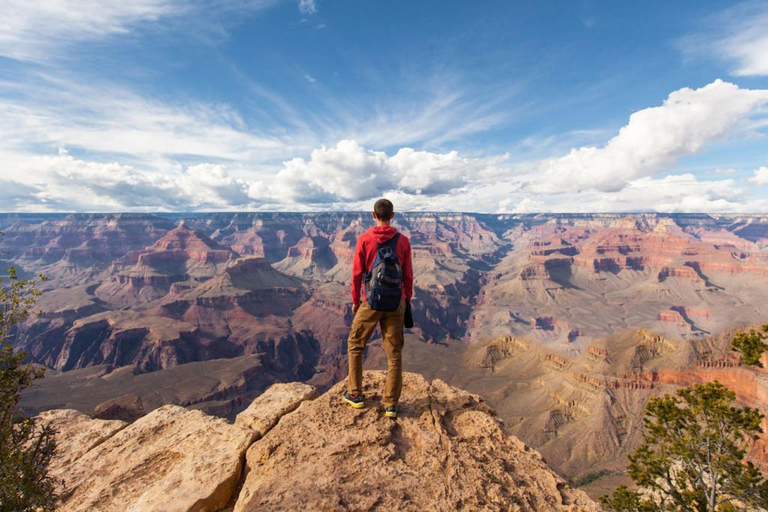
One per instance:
(358, 268)
(407, 270)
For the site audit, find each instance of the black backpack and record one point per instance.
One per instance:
(384, 282)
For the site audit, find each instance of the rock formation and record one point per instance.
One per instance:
(447, 451)
(126, 408)
(273, 404)
(171, 459)
(76, 435)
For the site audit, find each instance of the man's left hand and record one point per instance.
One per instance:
(355, 307)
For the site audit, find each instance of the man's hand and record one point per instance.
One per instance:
(355, 307)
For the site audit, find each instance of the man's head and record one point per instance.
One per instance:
(383, 211)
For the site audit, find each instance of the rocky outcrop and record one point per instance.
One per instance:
(273, 404)
(76, 434)
(171, 459)
(446, 451)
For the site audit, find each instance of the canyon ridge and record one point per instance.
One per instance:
(565, 323)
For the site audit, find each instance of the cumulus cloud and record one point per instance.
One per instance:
(347, 176)
(760, 176)
(670, 194)
(350, 172)
(653, 139)
(63, 182)
(212, 161)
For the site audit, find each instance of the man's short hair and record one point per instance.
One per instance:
(383, 209)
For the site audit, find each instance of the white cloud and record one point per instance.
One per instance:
(746, 43)
(653, 139)
(63, 182)
(350, 172)
(307, 7)
(43, 111)
(53, 112)
(760, 177)
(33, 28)
(670, 194)
(137, 154)
(37, 30)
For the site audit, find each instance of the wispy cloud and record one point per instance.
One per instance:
(105, 118)
(738, 35)
(41, 30)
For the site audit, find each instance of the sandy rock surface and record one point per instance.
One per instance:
(267, 409)
(76, 433)
(172, 459)
(447, 451)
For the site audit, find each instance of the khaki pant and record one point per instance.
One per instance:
(392, 333)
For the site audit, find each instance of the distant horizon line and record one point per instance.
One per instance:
(406, 212)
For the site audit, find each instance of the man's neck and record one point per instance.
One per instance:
(382, 223)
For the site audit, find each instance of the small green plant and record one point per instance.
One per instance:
(693, 455)
(751, 345)
(26, 447)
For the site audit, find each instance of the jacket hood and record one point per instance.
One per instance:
(382, 233)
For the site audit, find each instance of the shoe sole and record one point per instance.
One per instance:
(353, 404)
(390, 414)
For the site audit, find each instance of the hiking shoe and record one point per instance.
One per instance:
(391, 411)
(357, 401)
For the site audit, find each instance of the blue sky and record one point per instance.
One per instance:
(491, 106)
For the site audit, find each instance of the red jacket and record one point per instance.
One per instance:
(365, 253)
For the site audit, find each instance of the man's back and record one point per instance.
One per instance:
(365, 254)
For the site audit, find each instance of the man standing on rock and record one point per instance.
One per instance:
(383, 261)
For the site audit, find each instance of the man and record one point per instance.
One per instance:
(383, 259)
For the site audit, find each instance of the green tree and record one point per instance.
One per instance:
(26, 447)
(751, 345)
(693, 455)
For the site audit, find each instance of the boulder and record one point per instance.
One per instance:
(277, 401)
(446, 451)
(126, 408)
(172, 459)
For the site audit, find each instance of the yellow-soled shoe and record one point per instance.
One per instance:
(391, 412)
(357, 401)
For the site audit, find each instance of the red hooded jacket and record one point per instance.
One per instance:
(365, 253)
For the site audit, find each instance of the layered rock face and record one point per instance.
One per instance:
(584, 413)
(74, 248)
(181, 255)
(572, 279)
(565, 280)
(447, 451)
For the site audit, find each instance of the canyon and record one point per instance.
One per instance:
(566, 323)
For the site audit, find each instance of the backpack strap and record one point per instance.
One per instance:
(391, 241)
